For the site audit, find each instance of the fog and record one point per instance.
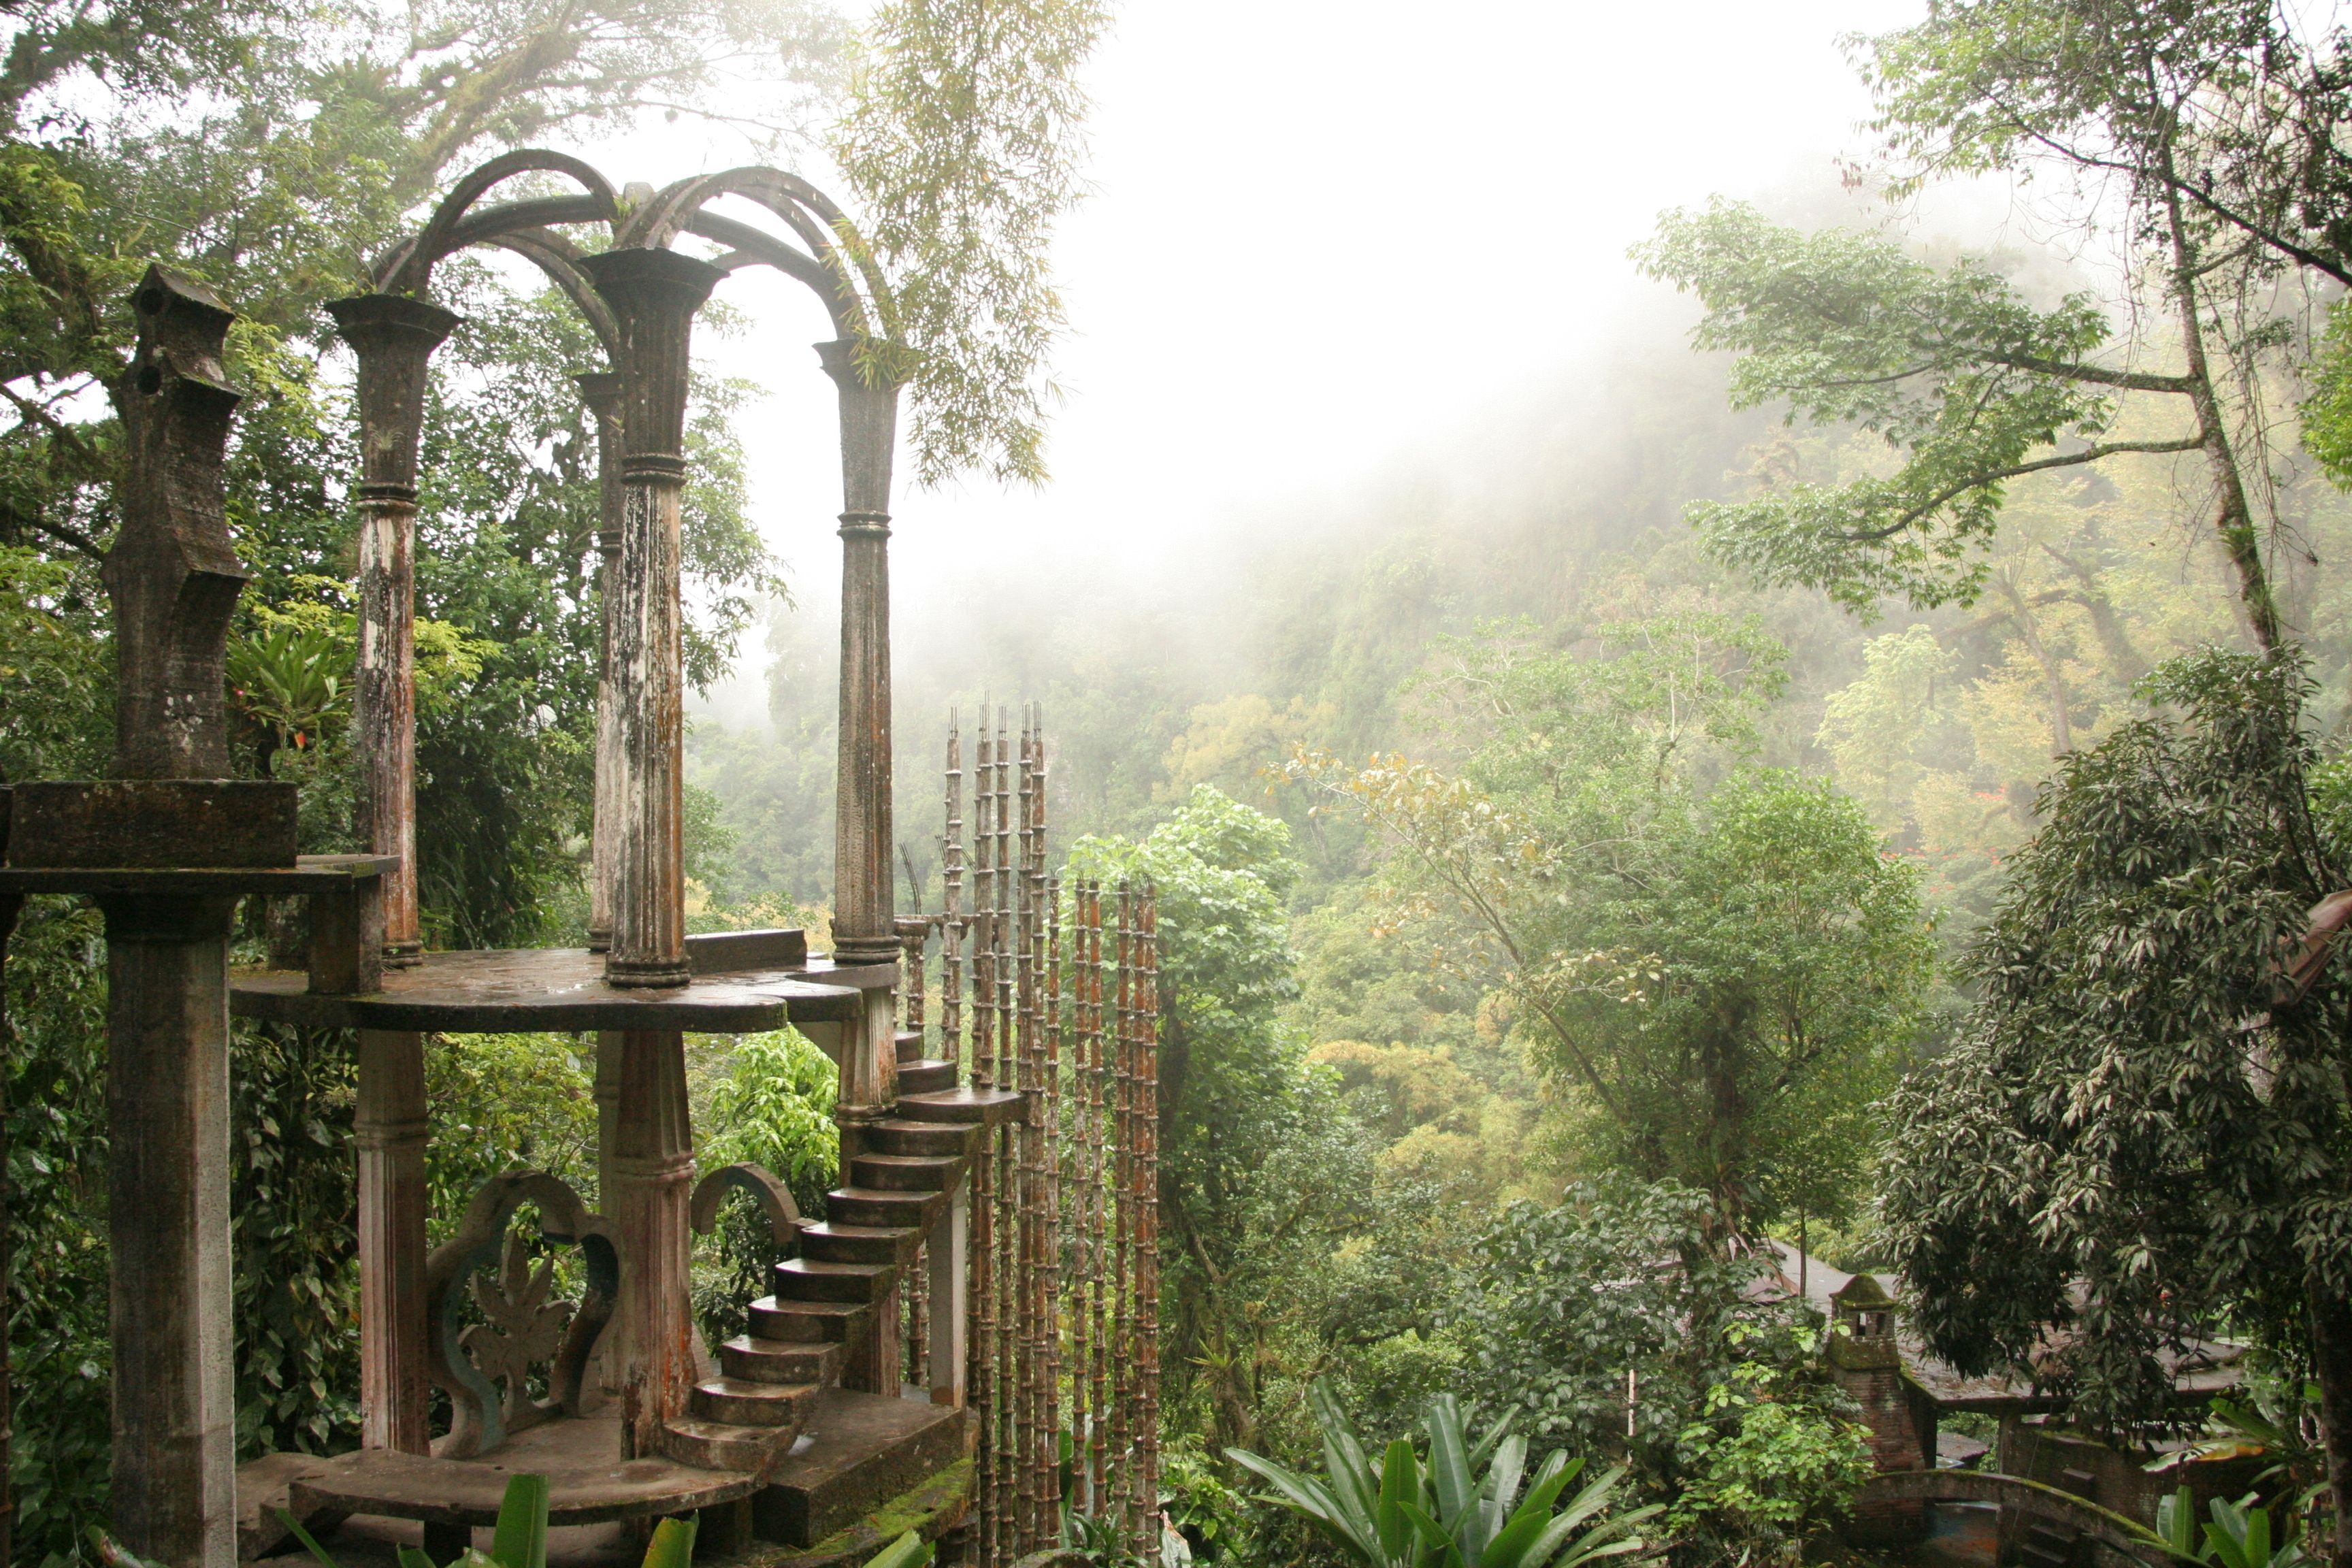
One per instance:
(1326, 245)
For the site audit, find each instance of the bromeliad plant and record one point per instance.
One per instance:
(1463, 1510)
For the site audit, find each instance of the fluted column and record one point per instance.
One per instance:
(652, 1172)
(389, 1131)
(395, 337)
(863, 900)
(650, 1163)
(654, 295)
(601, 391)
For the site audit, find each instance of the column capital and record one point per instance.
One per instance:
(601, 391)
(654, 294)
(391, 323)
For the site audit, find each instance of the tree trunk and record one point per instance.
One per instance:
(2235, 519)
(2062, 725)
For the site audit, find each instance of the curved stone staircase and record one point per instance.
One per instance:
(772, 1378)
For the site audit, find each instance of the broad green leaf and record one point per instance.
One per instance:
(520, 1539)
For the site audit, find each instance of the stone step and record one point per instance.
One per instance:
(722, 1446)
(863, 1446)
(740, 1402)
(894, 1210)
(910, 1045)
(812, 1279)
(934, 1140)
(778, 1360)
(906, 1172)
(967, 1105)
(926, 1077)
(827, 1242)
(806, 1323)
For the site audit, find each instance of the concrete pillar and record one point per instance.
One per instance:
(863, 893)
(394, 337)
(389, 1128)
(601, 390)
(174, 1475)
(654, 295)
(174, 579)
(652, 1173)
(947, 1250)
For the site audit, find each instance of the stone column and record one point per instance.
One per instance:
(654, 295)
(389, 1128)
(601, 391)
(946, 1251)
(863, 902)
(174, 579)
(394, 337)
(174, 1491)
(652, 1170)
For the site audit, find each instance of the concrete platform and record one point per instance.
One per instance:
(863, 1449)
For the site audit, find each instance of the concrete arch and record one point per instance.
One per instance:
(2110, 1529)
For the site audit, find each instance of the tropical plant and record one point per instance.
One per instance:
(1464, 1509)
(1767, 1459)
(520, 1539)
(2240, 1536)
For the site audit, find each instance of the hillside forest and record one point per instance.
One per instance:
(1849, 764)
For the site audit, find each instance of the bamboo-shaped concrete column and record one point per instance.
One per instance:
(654, 295)
(174, 579)
(394, 337)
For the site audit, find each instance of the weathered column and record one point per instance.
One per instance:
(652, 1171)
(395, 337)
(947, 1250)
(601, 391)
(174, 1477)
(654, 295)
(174, 579)
(389, 1128)
(863, 898)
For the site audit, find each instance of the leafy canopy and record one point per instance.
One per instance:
(2145, 1133)
(1961, 378)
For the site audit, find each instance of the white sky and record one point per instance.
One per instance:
(1325, 238)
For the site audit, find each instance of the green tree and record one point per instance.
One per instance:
(1719, 978)
(2201, 134)
(2145, 1134)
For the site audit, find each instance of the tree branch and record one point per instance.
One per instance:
(2063, 460)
